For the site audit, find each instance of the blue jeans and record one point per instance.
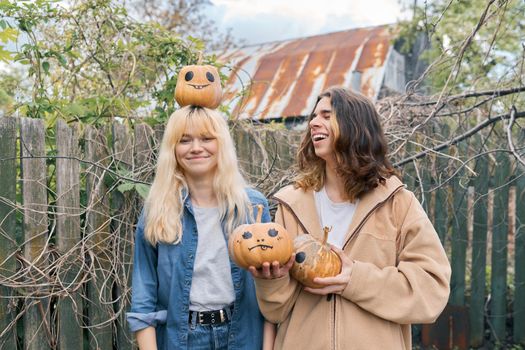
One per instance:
(208, 337)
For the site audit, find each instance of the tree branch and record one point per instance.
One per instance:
(469, 133)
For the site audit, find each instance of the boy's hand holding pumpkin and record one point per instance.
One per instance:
(314, 259)
(336, 284)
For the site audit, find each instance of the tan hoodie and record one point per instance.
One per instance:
(400, 276)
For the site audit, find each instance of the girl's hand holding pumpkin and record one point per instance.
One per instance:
(336, 284)
(273, 270)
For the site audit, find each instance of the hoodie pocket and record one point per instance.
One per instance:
(376, 249)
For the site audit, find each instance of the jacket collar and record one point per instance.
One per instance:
(302, 205)
(187, 200)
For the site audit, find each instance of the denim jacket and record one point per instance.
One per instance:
(162, 276)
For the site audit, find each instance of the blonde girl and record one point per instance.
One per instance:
(186, 292)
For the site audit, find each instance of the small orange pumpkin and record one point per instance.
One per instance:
(253, 244)
(198, 86)
(314, 259)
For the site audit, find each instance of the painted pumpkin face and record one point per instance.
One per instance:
(251, 245)
(314, 259)
(198, 86)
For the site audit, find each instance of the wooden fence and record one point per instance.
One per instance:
(66, 233)
(69, 201)
(482, 226)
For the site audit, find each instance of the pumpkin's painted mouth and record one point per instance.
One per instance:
(262, 246)
(198, 87)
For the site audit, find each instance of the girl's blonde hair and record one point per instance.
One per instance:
(164, 206)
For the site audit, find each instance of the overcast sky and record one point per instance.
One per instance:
(258, 21)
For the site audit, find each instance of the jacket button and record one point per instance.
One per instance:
(237, 285)
(191, 256)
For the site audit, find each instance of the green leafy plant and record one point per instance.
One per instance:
(91, 62)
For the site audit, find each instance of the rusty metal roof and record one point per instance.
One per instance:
(283, 79)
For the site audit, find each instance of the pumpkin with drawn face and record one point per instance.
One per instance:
(253, 244)
(198, 86)
(314, 259)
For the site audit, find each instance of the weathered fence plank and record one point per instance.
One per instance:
(479, 254)
(248, 153)
(34, 194)
(144, 158)
(142, 167)
(283, 149)
(69, 306)
(425, 183)
(8, 244)
(440, 204)
(519, 273)
(97, 231)
(422, 184)
(121, 207)
(441, 212)
(498, 305)
(459, 237)
(408, 171)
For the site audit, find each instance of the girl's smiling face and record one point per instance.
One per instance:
(196, 153)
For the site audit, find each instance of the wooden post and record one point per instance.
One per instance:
(34, 194)
(244, 150)
(143, 162)
(69, 305)
(284, 150)
(99, 242)
(479, 254)
(519, 272)
(459, 237)
(8, 242)
(122, 226)
(408, 170)
(424, 167)
(441, 208)
(498, 305)
(158, 133)
(144, 155)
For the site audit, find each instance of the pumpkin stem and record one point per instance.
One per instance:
(259, 213)
(326, 230)
(199, 60)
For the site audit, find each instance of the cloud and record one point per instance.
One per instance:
(270, 20)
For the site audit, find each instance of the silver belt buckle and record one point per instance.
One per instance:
(200, 317)
(222, 315)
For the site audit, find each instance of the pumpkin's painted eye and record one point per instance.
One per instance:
(272, 232)
(188, 76)
(300, 257)
(210, 77)
(247, 235)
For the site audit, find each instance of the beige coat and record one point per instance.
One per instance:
(401, 276)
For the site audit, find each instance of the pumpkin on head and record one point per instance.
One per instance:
(314, 259)
(253, 244)
(198, 86)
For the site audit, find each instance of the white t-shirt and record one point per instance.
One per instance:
(212, 284)
(337, 215)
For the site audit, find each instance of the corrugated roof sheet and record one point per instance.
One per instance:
(283, 79)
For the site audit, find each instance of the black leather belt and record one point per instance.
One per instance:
(211, 317)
